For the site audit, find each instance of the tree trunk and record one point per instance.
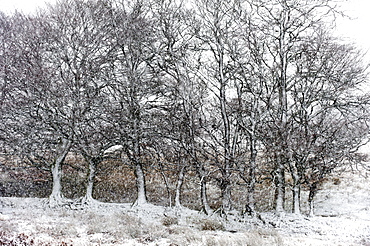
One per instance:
(280, 187)
(140, 185)
(311, 195)
(250, 206)
(296, 199)
(180, 181)
(165, 179)
(56, 197)
(203, 193)
(283, 114)
(90, 181)
(296, 190)
(226, 196)
(56, 194)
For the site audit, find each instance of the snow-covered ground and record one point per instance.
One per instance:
(342, 218)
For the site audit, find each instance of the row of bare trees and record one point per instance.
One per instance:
(227, 89)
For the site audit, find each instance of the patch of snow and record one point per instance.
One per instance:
(342, 218)
(113, 149)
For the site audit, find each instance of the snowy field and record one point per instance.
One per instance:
(342, 218)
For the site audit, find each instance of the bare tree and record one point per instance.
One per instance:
(217, 23)
(135, 86)
(31, 125)
(251, 82)
(329, 113)
(58, 87)
(185, 93)
(79, 48)
(284, 26)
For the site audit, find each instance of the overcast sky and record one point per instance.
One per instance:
(26, 6)
(356, 30)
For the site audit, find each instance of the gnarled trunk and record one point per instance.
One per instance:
(93, 162)
(56, 197)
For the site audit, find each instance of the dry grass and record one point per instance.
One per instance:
(117, 224)
(115, 182)
(188, 236)
(169, 220)
(211, 225)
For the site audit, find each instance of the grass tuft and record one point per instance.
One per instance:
(211, 225)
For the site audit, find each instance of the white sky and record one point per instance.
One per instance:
(356, 30)
(26, 6)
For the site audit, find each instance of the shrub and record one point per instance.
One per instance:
(211, 225)
(168, 221)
